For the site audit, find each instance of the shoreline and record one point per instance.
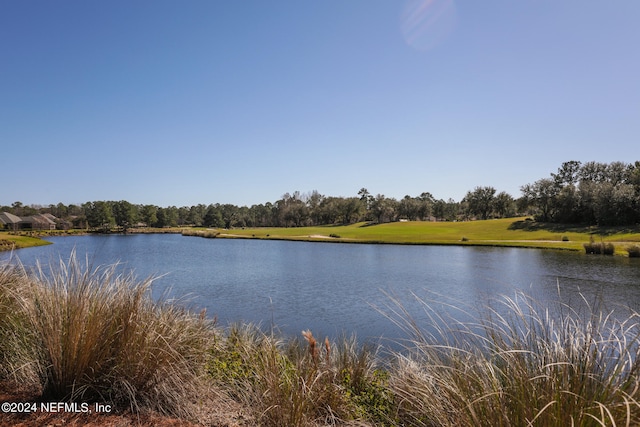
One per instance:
(510, 233)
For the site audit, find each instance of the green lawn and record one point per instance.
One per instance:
(11, 241)
(516, 232)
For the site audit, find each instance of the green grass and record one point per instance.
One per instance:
(510, 232)
(10, 241)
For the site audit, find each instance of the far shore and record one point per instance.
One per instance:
(519, 232)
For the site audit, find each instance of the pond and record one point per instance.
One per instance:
(333, 288)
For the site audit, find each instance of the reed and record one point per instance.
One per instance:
(209, 234)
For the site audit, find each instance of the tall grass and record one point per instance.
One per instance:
(210, 234)
(520, 366)
(87, 334)
(17, 340)
(97, 335)
(300, 382)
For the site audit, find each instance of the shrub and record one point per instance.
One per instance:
(599, 248)
(565, 238)
(593, 248)
(608, 248)
(634, 251)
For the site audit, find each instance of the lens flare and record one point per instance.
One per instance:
(425, 24)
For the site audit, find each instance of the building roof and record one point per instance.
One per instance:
(38, 218)
(7, 218)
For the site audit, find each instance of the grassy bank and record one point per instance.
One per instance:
(10, 241)
(510, 232)
(506, 232)
(86, 335)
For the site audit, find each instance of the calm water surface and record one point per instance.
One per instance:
(334, 288)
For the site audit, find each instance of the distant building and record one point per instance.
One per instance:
(9, 221)
(38, 222)
(35, 222)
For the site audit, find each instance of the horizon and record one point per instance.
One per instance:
(239, 103)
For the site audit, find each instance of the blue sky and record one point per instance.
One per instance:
(180, 103)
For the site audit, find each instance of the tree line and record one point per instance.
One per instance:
(592, 193)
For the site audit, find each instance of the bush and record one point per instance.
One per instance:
(608, 248)
(634, 251)
(565, 238)
(599, 248)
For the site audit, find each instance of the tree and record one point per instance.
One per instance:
(425, 205)
(196, 215)
(125, 214)
(99, 215)
(167, 217)
(480, 201)
(616, 173)
(383, 209)
(213, 217)
(568, 173)
(313, 204)
(541, 194)
(329, 210)
(149, 215)
(351, 209)
(565, 205)
(409, 208)
(504, 205)
(367, 200)
(593, 171)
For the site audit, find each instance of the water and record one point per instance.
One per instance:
(335, 288)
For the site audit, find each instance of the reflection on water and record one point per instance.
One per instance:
(334, 288)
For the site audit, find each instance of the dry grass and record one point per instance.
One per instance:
(82, 334)
(210, 234)
(87, 334)
(520, 366)
(299, 383)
